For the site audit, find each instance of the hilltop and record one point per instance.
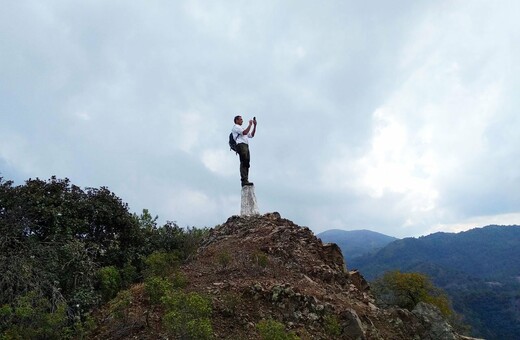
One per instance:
(267, 267)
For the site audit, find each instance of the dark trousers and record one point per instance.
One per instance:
(243, 153)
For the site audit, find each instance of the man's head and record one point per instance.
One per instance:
(238, 120)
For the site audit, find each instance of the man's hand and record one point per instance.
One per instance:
(254, 120)
(251, 122)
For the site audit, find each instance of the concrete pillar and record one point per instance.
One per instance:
(249, 205)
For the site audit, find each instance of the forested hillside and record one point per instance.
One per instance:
(479, 269)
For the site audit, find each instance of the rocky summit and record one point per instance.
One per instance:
(266, 267)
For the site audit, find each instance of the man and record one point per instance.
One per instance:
(241, 136)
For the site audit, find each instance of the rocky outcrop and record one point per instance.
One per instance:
(266, 267)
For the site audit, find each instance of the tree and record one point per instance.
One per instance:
(406, 290)
(53, 238)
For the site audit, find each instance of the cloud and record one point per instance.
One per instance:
(391, 116)
(463, 225)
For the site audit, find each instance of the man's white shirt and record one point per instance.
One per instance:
(238, 130)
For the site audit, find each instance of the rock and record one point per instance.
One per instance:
(332, 253)
(359, 281)
(313, 316)
(351, 325)
(438, 328)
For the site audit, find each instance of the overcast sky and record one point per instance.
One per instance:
(395, 116)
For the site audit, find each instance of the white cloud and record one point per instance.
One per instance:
(190, 130)
(396, 117)
(219, 161)
(474, 222)
(15, 150)
(430, 137)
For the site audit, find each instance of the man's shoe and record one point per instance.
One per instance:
(246, 183)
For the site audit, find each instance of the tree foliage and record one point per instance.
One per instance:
(64, 250)
(406, 290)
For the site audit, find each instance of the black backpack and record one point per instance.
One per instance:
(233, 142)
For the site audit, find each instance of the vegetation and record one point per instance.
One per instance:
(406, 290)
(332, 325)
(224, 259)
(274, 330)
(260, 259)
(187, 315)
(478, 270)
(64, 251)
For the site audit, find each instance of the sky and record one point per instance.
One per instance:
(394, 116)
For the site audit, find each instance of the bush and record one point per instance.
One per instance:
(129, 275)
(260, 259)
(224, 259)
(110, 282)
(187, 316)
(179, 280)
(332, 325)
(120, 304)
(274, 330)
(157, 287)
(230, 303)
(161, 264)
(33, 318)
(171, 238)
(83, 300)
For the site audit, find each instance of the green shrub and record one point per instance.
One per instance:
(120, 304)
(161, 264)
(230, 303)
(260, 259)
(83, 300)
(187, 316)
(33, 317)
(110, 282)
(83, 326)
(129, 275)
(332, 325)
(179, 280)
(274, 330)
(157, 287)
(224, 259)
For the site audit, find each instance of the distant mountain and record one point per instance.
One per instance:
(354, 243)
(492, 252)
(478, 268)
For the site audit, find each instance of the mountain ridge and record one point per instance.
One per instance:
(469, 249)
(478, 268)
(355, 243)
